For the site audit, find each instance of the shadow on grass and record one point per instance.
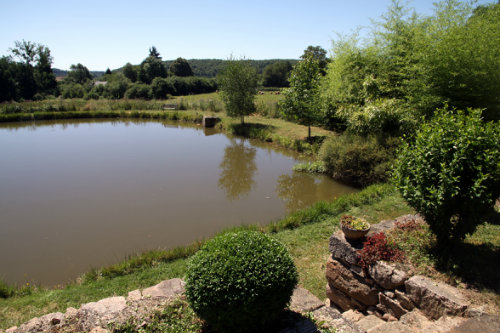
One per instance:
(318, 139)
(476, 265)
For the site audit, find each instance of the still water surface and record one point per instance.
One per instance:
(81, 194)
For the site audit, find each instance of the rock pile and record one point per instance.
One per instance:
(97, 317)
(387, 292)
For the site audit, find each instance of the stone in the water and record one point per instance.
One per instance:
(209, 121)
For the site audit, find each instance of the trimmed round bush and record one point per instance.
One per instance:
(240, 281)
(450, 172)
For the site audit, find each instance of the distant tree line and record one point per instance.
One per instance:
(26, 74)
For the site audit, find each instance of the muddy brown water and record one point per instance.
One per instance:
(76, 195)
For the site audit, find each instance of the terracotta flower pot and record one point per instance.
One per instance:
(350, 233)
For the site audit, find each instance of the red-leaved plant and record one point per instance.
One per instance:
(377, 248)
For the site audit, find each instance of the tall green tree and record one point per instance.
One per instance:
(238, 86)
(7, 79)
(130, 72)
(301, 100)
(45, 79)
(26, 51)
(276, 75)
(152, 67)
(463, 54)
(319, 54)
(34, 73)
(78, 74)
(180, 67)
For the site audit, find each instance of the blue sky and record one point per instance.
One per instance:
(102, 34)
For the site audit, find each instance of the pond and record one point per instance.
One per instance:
(77, 195)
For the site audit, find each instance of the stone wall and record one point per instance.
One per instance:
(385, 289)
(96, 317)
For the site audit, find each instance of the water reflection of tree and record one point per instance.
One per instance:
(237, 170)
(300, 190)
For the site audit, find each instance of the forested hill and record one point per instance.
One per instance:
(210, 67)
(200, 67)
(61, 72)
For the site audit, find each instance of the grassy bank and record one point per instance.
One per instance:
(305, 233)
(190, 109)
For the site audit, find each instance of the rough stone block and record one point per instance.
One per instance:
(435, 298)
(393, 326)
(341, 278)
(105, 306)
(393, 307)
(134, 295)
(166, 289)
(404, 300)
(386, 275)
(335, 321)
(353, 315)
(369, 322)
(342, 300)
(343, 250)
(303, 301)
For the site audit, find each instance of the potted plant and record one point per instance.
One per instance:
(354, 227)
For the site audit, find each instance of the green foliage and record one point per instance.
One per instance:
(139, 91)
(450, 172)
(463, 48)
(6, 291)
(240, 281)
(160, 88)
(8, 90)
(356, 160)
(301, 100)
(31, 77)
(356, 223)
(180, 67)
(238, 85)
(73, 90)
(413, 65)
(314, 167)
(383, 117)
(45, 79)
(152, 67)
(78, 74)
(130, 72)
(276, 75)
(318, 54)
(116, 87)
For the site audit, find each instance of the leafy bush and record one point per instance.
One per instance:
(73, 90)
(138, 90)
(356, 160)
(377, 248)
(384, 116)
(240, 281)
(450, 172)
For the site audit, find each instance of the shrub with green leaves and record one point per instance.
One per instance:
(356, 160)
(240, 281)
(450, 172)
